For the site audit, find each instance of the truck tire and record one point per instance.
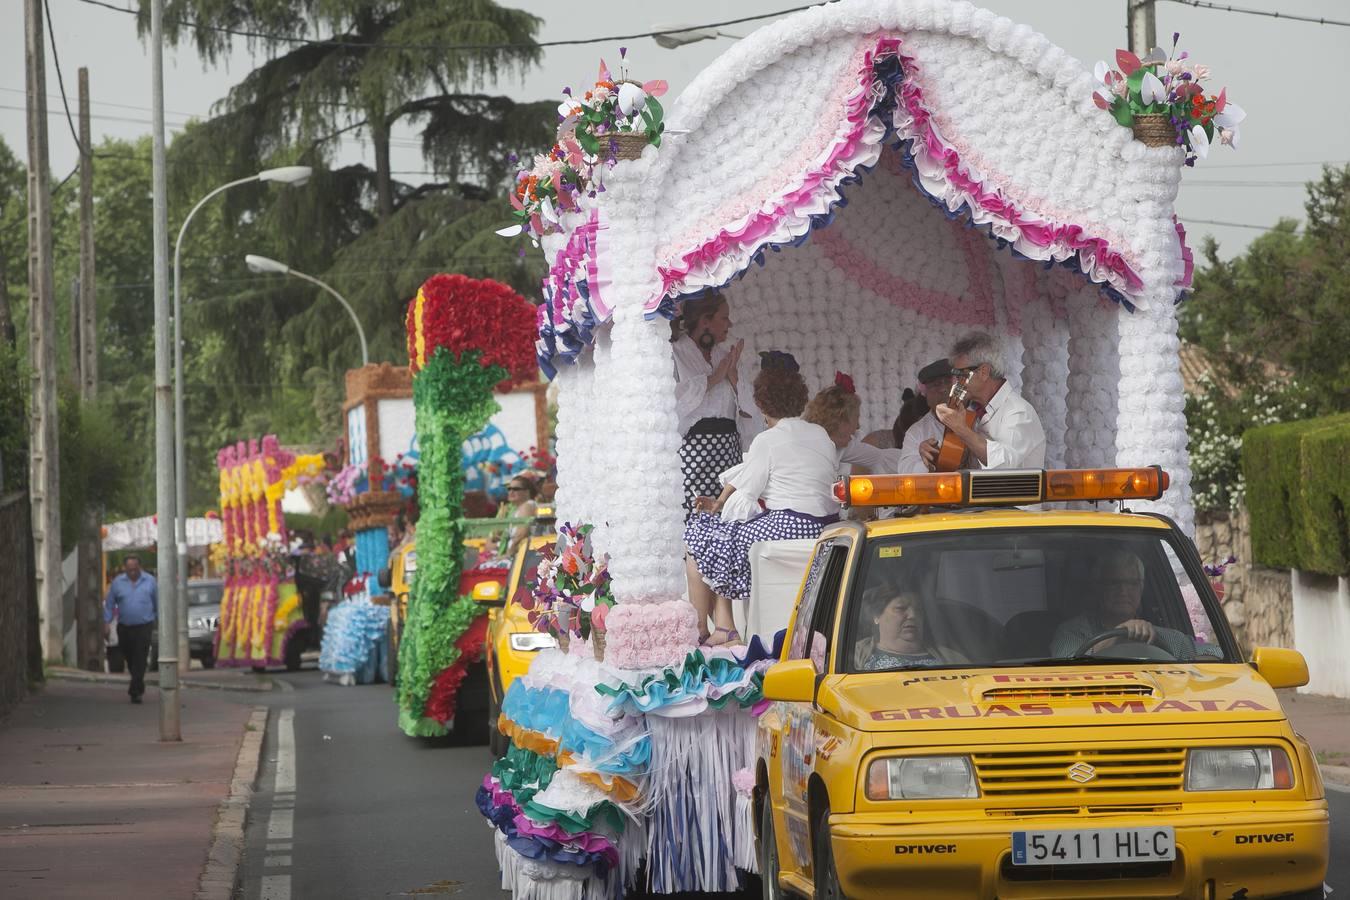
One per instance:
(497, 742)
(471, 706)
(294, 647)
(827, 876)
(768, 854)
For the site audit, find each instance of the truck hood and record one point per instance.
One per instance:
(1147, 693)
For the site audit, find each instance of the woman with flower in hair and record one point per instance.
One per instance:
(838, 410)
(706, 401)
(789, 469)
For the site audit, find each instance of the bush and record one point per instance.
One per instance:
(1298, 487)
(1216, 422)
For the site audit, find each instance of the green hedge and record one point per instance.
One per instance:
(1298, 492)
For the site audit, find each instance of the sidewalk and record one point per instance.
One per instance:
(92, 804)
(220, 679)
(1325, 723)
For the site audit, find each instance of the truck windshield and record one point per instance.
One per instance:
(1036, 596)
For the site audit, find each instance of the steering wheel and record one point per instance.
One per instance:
(1134, 648)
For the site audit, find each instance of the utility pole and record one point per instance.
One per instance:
(89, 574)
(169, 729)
(1142, 25)
(44, 483)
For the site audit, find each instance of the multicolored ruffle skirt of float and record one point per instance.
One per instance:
(610, 769)
(355, 637)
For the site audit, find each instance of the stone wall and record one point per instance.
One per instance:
(16, 593)
(1258, 601)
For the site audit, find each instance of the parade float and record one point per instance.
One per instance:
(467, 339)
(865, 182)
(261, 616)
(377, 483)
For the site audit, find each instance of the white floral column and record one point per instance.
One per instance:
(635, 482)
(1045, 360)
(1094, 380)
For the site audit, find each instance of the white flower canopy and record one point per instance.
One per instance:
(981, 189)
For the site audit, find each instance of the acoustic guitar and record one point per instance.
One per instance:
(952, 452)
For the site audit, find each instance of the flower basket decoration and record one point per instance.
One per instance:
(615, 120)
(572, 591)
(1161, 99)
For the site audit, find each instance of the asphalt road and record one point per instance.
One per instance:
(348, 807)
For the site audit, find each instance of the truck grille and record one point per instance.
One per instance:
(1075, 774)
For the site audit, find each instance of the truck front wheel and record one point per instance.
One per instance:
(768, 854)
(827, 876)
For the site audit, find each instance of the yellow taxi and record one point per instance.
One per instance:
(513, 642)
(985, 701)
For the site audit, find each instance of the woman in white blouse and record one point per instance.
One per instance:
(790, 469)
(705, 395)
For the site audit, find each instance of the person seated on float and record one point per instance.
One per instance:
(913, 407)
(935, 381)
(707, 403)
(790, 470)
(522, 493)
(899, 639)
(1008, 433)
(1118, 583)
(838, 409)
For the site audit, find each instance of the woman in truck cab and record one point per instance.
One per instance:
(900, 640)
(1118, 580)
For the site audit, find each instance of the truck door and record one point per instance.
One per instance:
(810, 637)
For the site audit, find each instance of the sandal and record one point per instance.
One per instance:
(732, 636)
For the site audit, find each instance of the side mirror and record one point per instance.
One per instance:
(487, 592)
(793, 681)
(384, 577)
(1279, 667)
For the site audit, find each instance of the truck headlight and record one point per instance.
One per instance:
(1238, 769)
(921, 778)
(524, 641)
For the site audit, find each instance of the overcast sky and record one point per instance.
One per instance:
(1288, 75)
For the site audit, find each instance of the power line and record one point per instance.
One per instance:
(60, 79)
(1228, 7)
(1186, 220)
(338, 42)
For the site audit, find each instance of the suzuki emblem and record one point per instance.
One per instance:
(1082, 773)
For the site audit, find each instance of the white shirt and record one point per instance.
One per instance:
(1013, 431)
(694, 400)
(876, 459)
(927, 428)
(790, 466)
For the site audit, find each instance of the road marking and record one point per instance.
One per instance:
(1338, 788)
(280, 824)
(285, 782)
(279, 847)
(282, 861)
(276, 887)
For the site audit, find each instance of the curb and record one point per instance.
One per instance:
(219, 875)
(152, 679)
(1335, 774)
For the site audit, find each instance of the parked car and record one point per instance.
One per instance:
(203, 614)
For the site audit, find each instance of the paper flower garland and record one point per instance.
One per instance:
(1136, 90)
(465, 336)
(571, 590)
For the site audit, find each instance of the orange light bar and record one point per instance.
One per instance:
(944, 488)
(1143, 483)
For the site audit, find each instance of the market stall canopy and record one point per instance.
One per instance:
(138, 534)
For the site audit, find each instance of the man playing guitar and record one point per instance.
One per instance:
(1008, 434)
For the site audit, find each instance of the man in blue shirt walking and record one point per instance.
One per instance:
(133, 597)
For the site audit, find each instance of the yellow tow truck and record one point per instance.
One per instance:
(975, 700)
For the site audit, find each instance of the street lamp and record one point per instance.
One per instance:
(263, 265)
(672, 36)
(291, 176)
